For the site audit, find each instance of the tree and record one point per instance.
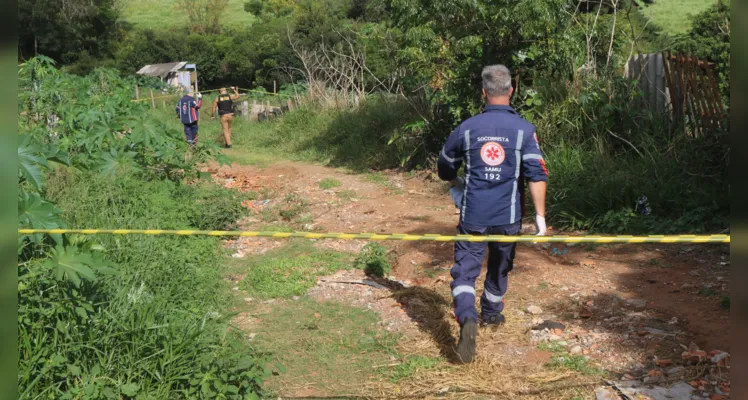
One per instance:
(709, 38)
(203, 16)
(63, 30)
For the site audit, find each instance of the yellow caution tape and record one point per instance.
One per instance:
(399, 236)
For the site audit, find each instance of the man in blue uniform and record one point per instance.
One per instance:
(499, 150)
(188, 111)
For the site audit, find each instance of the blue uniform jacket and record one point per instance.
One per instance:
(188, 109)
(500, 150)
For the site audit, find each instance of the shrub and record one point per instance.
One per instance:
(215, 208)
(154, 326)
(373, 260)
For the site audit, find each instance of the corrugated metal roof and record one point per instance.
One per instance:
(161, 70)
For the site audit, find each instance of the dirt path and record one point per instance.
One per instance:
(629, 309)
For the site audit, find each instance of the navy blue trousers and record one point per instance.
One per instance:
(467, 267)
(190, 132)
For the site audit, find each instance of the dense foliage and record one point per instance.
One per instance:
(709, 39)
(107, 317)
(98, 318)
(67, 31)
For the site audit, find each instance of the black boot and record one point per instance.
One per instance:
(492, 320)
(228, 146)
(466, 345)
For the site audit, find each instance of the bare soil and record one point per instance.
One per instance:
(626, 306)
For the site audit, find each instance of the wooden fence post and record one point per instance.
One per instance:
(153, 101)
(245, 109)
(137, 92)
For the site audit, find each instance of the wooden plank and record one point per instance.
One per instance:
(715, 89)
(682, 97)
(686, 104)
(679, 85)
(669, 83)
(651, 80)
(711, 103)
(693, 96)
(701, 96)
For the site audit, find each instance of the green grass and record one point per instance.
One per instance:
(725, 303)
(157, 318)
(327, 346)
(329, 183)
(373, 260)
(381, 180)
(574, 363)
(412, 365)
(260, 160)
(353, 139)
(673, 16)
(562, 360)
(161, 14)
(290, 270)
(346, 194)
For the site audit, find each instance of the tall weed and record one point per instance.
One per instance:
(156, 326)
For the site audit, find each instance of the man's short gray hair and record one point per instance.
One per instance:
(497, 80)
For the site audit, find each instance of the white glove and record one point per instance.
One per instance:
(540, 223)
(199, 95)
(456, 191)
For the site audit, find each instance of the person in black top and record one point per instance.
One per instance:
(225, 105)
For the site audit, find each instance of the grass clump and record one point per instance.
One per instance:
(562, 360)
(216, 207)
(346, 194)
(152, 325)
(292, 207)
(574, 363)
(329, 183)
(373, 260)
(291, 270)
(412, 365)
(292, 210)
(725, 303)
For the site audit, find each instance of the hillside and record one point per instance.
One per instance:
(155, 14)
(674, 16)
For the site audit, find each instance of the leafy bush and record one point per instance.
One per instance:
(117, 317)
(132, 324)
(215, 208)
(709, 38)
(373, 260)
